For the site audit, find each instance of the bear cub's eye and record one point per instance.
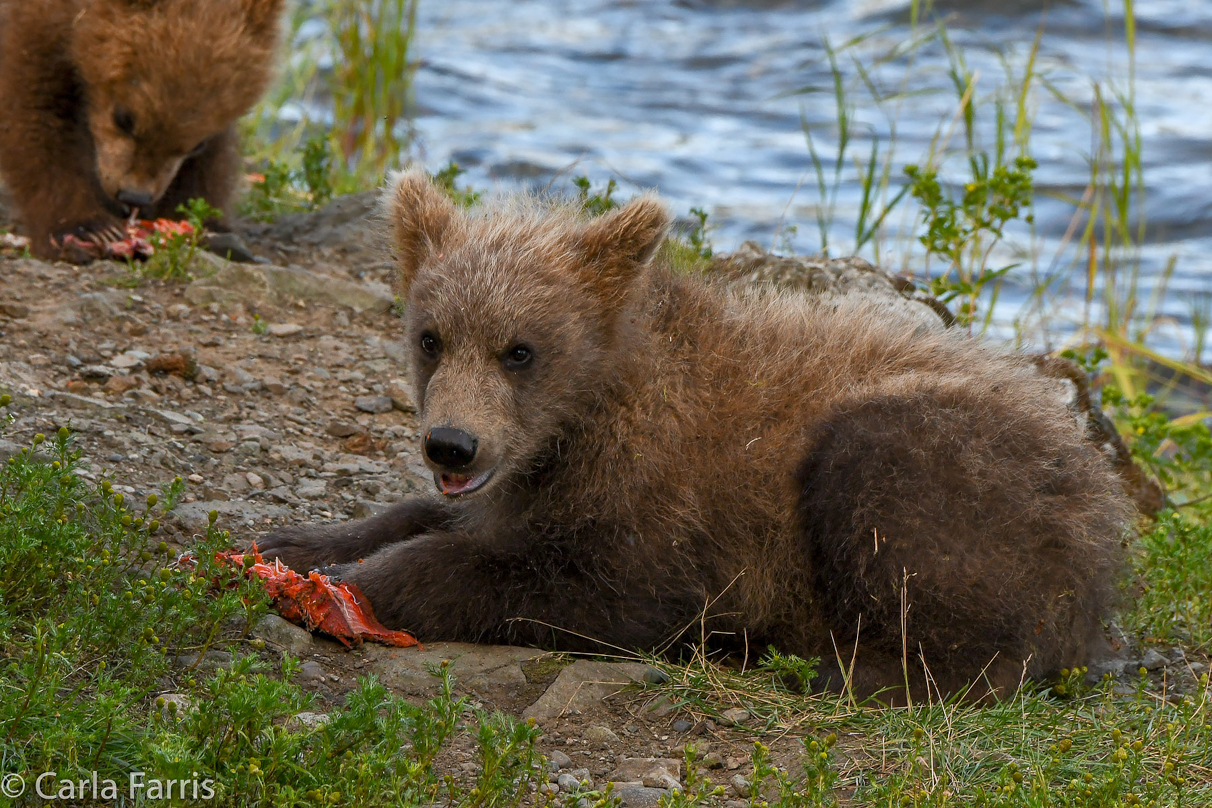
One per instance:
(429, 344)
(519, 356)
(124, 120)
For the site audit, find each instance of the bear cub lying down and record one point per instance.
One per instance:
(620, 451)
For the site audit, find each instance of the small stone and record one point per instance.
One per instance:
(740, 785)
(1153, 660)
(311, 671)
(283, 329)
(736, 715)
(601, 735)
(549, 789)
(121, 384)
(38, 360)
(559, 760)
(255, 480)
(401, 396)
(173, 705)
(682, 725)
(307, 721)
(342, 429)
(567, 782)
(127, 361)
(713, 760)
(582, 776)
(236, 483)
(274, 386)
(207, 664)
(373, 404)
(95, 373)
(79, 386)
(311, 489)
(14, 310)
(661, 779)
(220, 446)
(640, 796)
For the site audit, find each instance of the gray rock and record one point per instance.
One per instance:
(491, 670)
(736, 715)
(550, 789)
(401, 396)
(661, 779)
(852, 277)
(283, 329)
(282, 633)
(128, 361)
(568, 783)
(682, 725)
(643, 770)
(79, 402)
(207, 664)
(194, 514)
(640, 796)
(311, 671)
(739, 785)
(582, 685)
(235, 283)
(173, 705)
(601, 735)
(95, 373)
(559, 760)
(8, 449)
(342, 429)
(307, 721)
(1153, 660)
(311, 489)
(374, 404)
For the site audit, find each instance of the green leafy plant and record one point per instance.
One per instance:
(595, 203)
(446, 180)
(965, 231)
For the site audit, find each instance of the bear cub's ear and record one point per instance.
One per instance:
(420, 215)
(617, 245)
(629, 235)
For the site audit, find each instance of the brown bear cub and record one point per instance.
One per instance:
(621, 452)
(113, 107)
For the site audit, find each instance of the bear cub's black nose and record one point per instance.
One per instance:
(136, 199)
(451, 448)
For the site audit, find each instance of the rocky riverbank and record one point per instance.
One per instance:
(275, 390)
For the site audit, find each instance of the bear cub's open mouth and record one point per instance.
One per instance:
(457, 485)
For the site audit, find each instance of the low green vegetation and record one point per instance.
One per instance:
(103, 640)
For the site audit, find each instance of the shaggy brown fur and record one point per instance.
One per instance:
(808, 473)
(111, 105)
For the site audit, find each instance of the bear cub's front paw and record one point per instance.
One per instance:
(297, 549)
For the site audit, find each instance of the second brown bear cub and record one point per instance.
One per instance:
(619, 449)
(113, 106)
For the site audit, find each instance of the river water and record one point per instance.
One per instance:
(707, 101)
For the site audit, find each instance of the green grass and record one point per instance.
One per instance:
(366, 92)
(93, 613)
